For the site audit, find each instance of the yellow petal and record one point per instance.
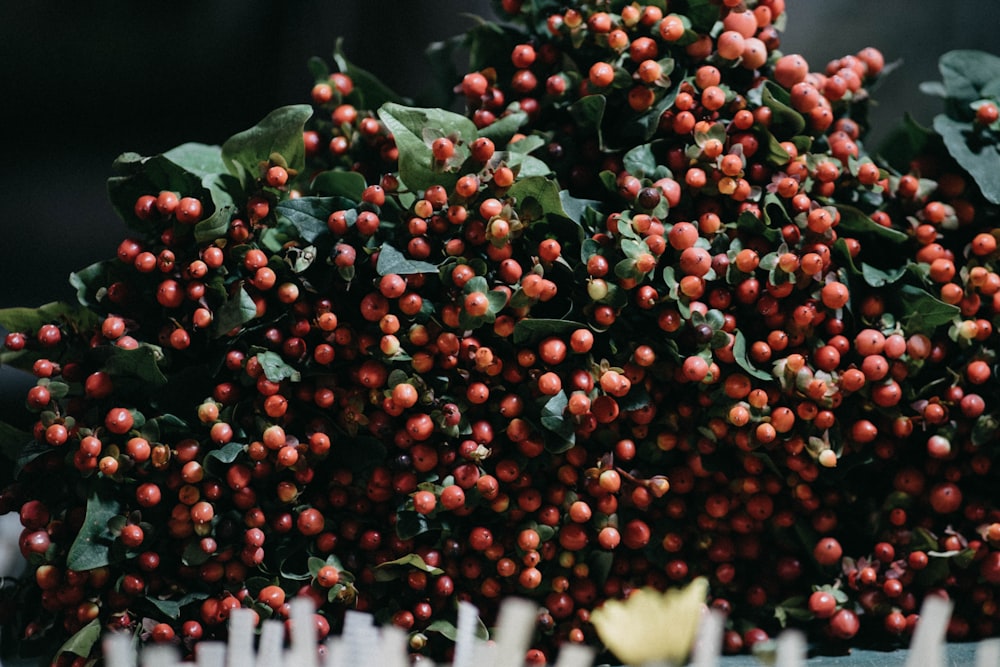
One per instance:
(651, 626)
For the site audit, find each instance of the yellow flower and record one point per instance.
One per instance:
(651, 627)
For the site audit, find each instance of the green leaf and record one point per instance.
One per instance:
(199, 159)
(528, 329)
(923, 313)
(391, 260)
(237, 310)
(528, 165)
(967, 72)
(643, 127)
(29, 320)
(858, 224)
(785, 121)
(703, 14)
(394, 569)
(91, 280)
(137, 176)
(775, 154)
(743, 361)
(371, 92)
(280, 132)
(544, 192)
(416, 162)
(577, 209)
(409, 524)
(873, 276)
(223, 188)
(337, 183)
(140, 363)
(448, 630)
(83, 640)
(974, 153)
(276, 369)
(640, 161)
(528, 144)
(308, 215)
(91, 548)
(227, 453)
(501, 130)
(905, 142)
(552, 418)
(171, 609)
(749, 222)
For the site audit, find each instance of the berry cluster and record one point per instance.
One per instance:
(646, 311)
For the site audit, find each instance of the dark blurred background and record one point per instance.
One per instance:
(84, 82)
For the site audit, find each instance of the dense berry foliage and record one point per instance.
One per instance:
(646, 309)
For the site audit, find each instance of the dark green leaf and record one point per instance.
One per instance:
(908, 140)
(775, 154)
(588, 114)
(137, 176)
(237, 310)
(528, 330)
(873, 276)
(543, 191)
(91, 547)
(501, 130)
(640, 128)
(372, 92)
(977, 155)
(319, 69)
(640, 161)
(441, 61)
(984, 430)
(308, 215)
(199, 159)
(164, 427)
(600, 562)
(91, 280)
(923, 313)
(223, 189)
(743, 361)
(391, 260)
(226, 454)
(857, 223)
(276, 369)
(703, 14)
(171, 609)
(408, 125)
(553, 420)
(785, 121)
(967, 72)
(28, 320)
(31, 451)
(394, 569)
(280, 132)
(576, 208)
(193, 554)
(140, 363)
(749, 222)
(83, 640)
(12, 440)
(335, 183)
(526, 145)
(409, 524)
(528, 166)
